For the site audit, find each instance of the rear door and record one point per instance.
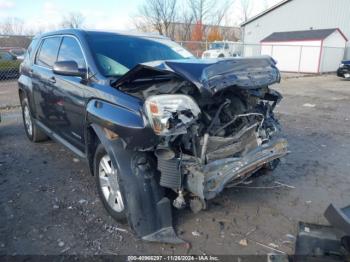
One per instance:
(47, 103)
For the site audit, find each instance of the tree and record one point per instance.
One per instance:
(246, 7)
(160, 15)
(12, 26)
(214, 34)
(185, 31)
(197, 34)
(73, 20)
(209, 11)
(201, 9)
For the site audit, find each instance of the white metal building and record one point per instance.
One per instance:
(309, 51)
(297, 15)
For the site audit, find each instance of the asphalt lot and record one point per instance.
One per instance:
(49, 205)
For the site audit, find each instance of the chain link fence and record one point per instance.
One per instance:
(12, 50)
(290, 58)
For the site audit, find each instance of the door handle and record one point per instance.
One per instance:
(52, 80)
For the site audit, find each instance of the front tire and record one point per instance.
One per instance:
(108, 185)
(33, 132)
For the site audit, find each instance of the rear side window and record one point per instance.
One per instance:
(48, 52)
(70, 50)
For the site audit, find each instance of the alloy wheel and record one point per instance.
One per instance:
(108, 177)
(28, 120)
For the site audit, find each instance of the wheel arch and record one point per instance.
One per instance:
(148, 210)
(91, 143)
(21, 94)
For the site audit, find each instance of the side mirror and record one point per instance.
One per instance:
(68, 68)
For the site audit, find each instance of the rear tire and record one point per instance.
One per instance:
(108, 185)
(33, 132)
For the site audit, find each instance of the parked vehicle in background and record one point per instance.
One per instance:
(220, 49)
(344, 69)
(9, 65)
(18, 52)
(158, 127)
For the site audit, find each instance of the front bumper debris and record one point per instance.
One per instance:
(208, 181)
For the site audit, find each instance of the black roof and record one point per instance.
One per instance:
(319, 34)
(84, 31)
(265, 12)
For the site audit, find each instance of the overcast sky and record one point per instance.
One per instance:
(101, 14)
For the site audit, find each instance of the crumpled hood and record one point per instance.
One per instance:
(209, 76)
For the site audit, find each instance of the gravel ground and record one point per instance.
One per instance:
(49, 205)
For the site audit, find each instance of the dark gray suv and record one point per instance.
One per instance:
(158, 127)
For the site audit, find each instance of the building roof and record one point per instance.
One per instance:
(15, 41)
(265, 12)
(319, 34)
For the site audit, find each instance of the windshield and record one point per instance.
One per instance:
(218, 46)
(117, 54)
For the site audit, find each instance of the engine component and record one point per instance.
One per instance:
(204, 148)
(170, 173)
(179, 202)
(197, 204)
(215, 147)
(165, 153)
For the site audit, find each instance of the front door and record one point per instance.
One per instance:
(70, 90)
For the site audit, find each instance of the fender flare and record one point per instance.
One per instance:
(148, 210)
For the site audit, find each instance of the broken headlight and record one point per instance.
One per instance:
(171, 114)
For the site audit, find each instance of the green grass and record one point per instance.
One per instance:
(9, 65)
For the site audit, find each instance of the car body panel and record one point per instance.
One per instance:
(130, 125)
(209, 76)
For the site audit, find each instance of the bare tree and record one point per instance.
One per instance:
(201, 9)
(185, 31)
(73, 20)
(159, 14)
(209, 11)
(12, 26)
(246, 6)
(220, 12)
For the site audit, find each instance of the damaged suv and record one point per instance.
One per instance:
(157, 127)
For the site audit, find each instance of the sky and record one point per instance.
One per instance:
(99, 14)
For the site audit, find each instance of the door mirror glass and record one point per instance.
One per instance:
(68, 68)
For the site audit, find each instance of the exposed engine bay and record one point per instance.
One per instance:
(215, 130)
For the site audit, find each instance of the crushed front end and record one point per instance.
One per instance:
(214, 121)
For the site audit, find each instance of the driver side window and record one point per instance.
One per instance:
(70, 50)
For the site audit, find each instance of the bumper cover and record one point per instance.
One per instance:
(208, 181)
